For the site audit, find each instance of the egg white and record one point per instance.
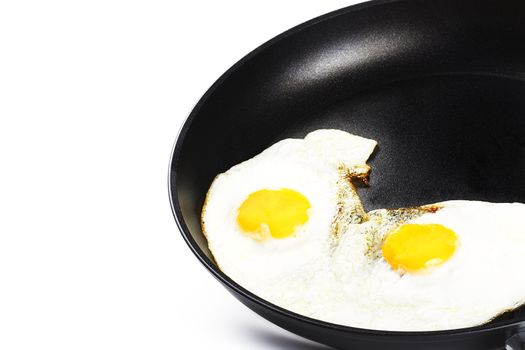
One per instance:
(279, 269)
(475, 285)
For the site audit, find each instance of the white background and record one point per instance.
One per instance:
(92, 95)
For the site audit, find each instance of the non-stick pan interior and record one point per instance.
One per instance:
(441, 88)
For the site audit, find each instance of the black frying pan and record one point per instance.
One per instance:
(439, 83)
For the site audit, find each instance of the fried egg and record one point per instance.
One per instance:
(271, 220)
(289, 226)
(436, 267)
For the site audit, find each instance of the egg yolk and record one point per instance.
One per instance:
(414, 247)
(275, 213)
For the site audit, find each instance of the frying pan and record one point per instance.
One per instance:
(439, 83)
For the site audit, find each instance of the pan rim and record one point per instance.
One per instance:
(227, 281)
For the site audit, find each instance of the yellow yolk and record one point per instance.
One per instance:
(274, 213)
(413, 247)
